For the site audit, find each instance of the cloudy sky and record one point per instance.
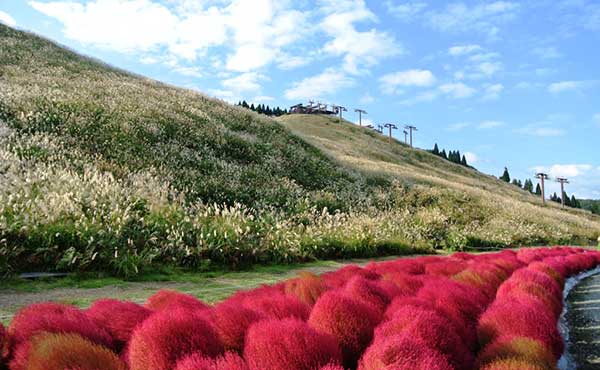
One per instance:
(510, 83)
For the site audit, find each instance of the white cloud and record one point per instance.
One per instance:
(319, 86)
(188, 71)
(414, 77)
(358, 49)
(458, 126)
(547, 52)
(407, 10)
(558, 87)
(484, 57)
(245, 82)
(134, 24)
(483, 17)
(488, 68)
(541, 130)
(367, 99)
(255, 32)
(463, 49)
(564, 170)
(486, 125)
(7, 19)
(457, 90)
(471, 158)
(263, 98)
(492, 92)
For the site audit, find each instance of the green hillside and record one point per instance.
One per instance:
(104, 170)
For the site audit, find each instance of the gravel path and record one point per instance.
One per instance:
(583, 318)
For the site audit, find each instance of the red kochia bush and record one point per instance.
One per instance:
(411, 266)
(119, 318)
(168, 336)
(278, 306)
(289, 344)
(520, 317)
(408, 285)
(170, 299)
(339, 278)
(50, 351)
(432, 329)
(348, 320)
(229, 361)
(369, 292)
(308, 287)
(231, 321)
(523, 348)
(513, 364)
(400, 352)
(53, 318)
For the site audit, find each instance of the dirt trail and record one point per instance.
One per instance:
(583, 318)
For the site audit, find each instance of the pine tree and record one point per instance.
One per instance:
(252, 107)
(245, 104)
(519, 184)
(505, 176)
(528, 185)
(538, 190)
(436, 150)
(444, 154)
(574, 202)
(463, 161)
(515, 182)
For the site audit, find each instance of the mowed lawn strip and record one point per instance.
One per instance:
(209, 287)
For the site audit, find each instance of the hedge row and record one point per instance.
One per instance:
(489, 311)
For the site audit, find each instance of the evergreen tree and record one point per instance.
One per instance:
(444, 154)
(245, 104)
(515, 182)
(505, 176)
(463, 161)
(528, 185)
(252, 107)
(436, 150)
(567, 200)
(519, 184)
(574, 202)
(538, 190)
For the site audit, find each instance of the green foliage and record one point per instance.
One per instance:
(505, 175)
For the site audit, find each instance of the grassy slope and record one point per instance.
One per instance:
(365, 150)
(102, 169)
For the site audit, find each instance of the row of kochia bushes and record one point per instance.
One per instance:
(490, 311)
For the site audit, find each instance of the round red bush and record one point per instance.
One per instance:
(408, 285)
(348, 320)
(119, 318)
(339, 278)
(369, 292)
(166, 299)
(544, 267)
(53, 318)
(307, 288)
(196, 361)
(432, 328)
(277, 306)
(520, 317)
(411, 266)
(168, 336)
(400, 352)
(513, 364)
(289, 344)
(51, 351)
(523, 348)
(520, 288)
(231, 322)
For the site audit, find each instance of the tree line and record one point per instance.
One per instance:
(263, 109)
(528, 186)
(452, 156)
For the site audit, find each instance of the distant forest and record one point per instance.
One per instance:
(591, 205)
(264, 109)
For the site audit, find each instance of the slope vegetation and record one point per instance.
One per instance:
(102, 169)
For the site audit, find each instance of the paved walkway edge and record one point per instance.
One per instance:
(567, 362)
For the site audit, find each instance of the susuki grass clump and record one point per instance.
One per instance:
(495, 311)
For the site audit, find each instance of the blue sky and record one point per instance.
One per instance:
(511, 83)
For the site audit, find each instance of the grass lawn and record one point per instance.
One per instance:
(213, 286)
